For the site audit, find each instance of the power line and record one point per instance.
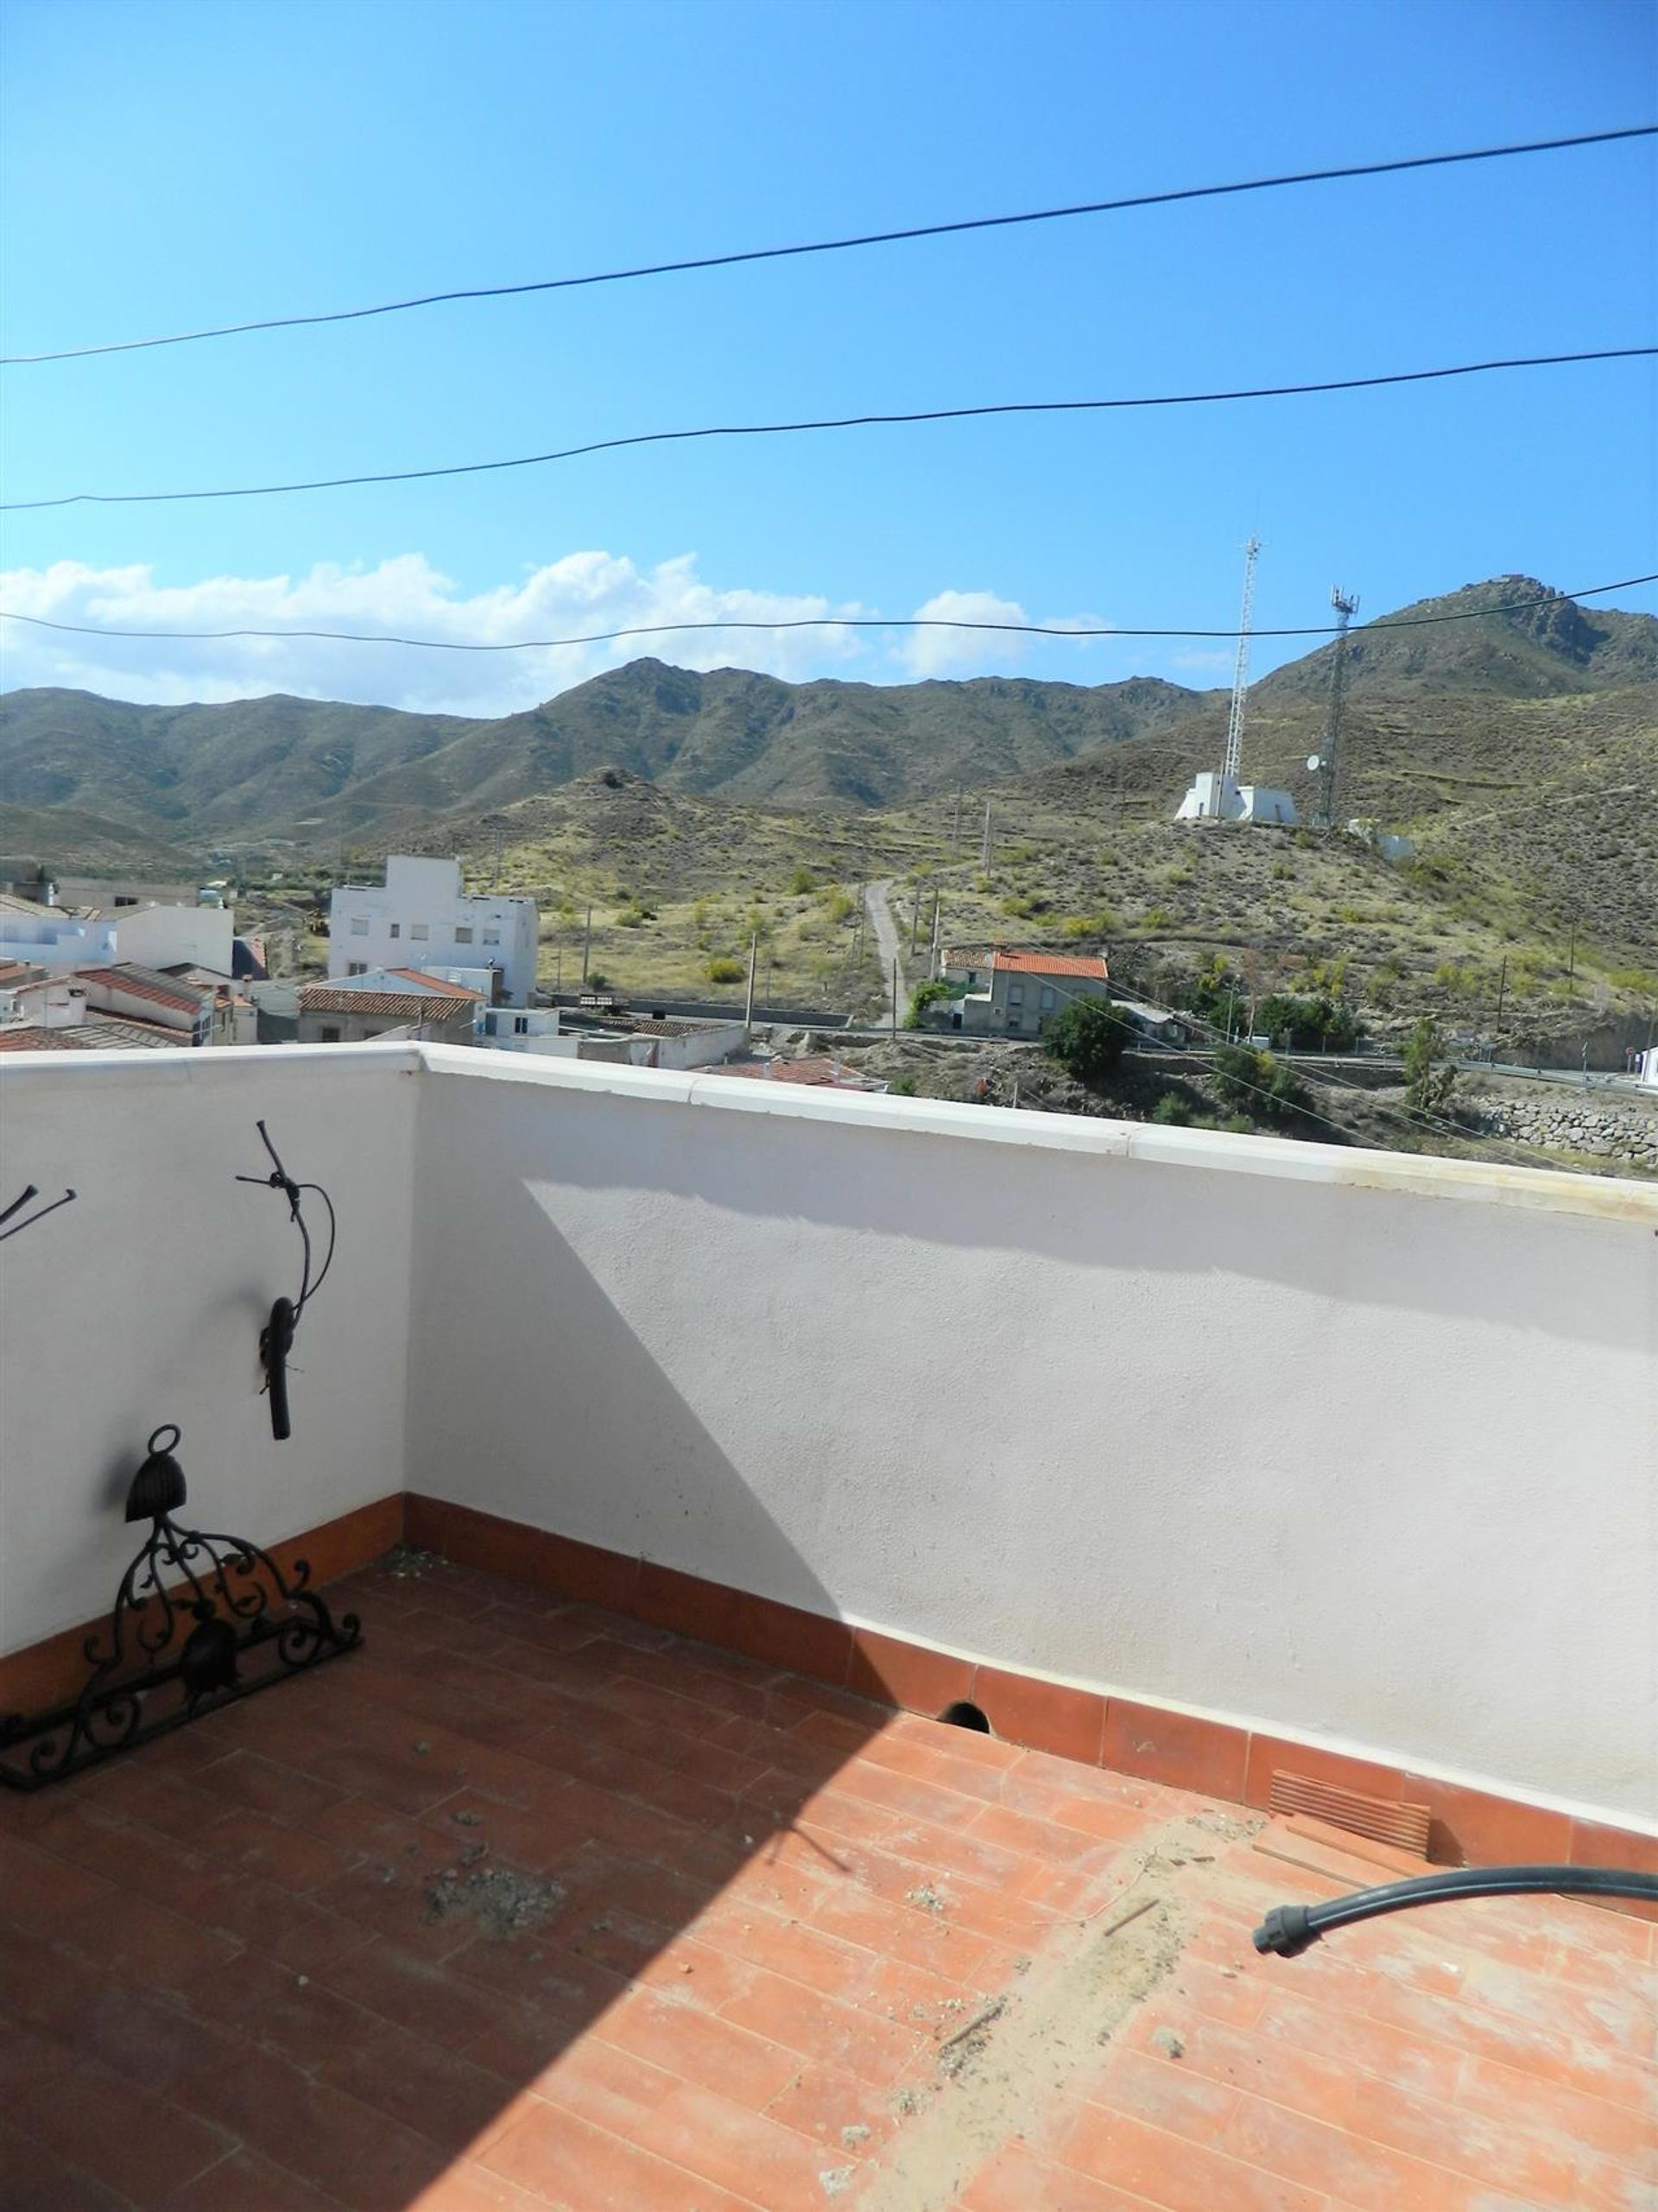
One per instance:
(839, 423)
(847, 244)
(812, 622)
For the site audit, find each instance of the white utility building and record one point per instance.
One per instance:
(1221, 798)
(419, 917)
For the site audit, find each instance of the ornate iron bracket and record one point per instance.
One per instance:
(152, 1673)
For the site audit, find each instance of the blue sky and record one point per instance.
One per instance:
(169, 165)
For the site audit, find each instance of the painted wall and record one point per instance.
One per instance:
(1361, 1447)
(143, 1302)
(176, 936)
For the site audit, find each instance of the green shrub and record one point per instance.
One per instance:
(1172, 1110)
(1429, 1084)
(903, 1087)
(924, 995)
(1088, 1039)
(1308, 1024)
(801, 882)
(723, 969)
(1257, 1084)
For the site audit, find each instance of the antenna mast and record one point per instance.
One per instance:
(1345, 609)
(1241, 672)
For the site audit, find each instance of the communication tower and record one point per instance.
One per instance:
(1232, 768)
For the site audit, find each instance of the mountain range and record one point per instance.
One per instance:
(78, 771)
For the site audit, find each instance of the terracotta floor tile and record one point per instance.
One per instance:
(1015, 2180)
(255, 1962)
(138, 2145)
(848, 2119)
(1168, 2171)
(739, 2150)
(800, 2021)
(721, 2052)
(562, 2161)
(245, 2181)
(368, 2161)
(35, 2179)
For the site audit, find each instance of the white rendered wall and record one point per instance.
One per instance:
(143, 1303)
(1357, 1446)
(171, 936)
(427, 894)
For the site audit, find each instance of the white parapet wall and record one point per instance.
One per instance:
(143, 1302)
(1359, 1447)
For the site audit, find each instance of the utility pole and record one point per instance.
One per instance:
(895, 999)
(587, 948)
(1571, 955)
(754, 958)
(1502, 990)
(933, 956)
(915, 920)
(1345, 609)
(984, 857)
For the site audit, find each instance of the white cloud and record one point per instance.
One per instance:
(406, 597)
(581, 593)
(962, 652)
(1201, 662)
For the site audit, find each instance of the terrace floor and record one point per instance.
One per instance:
(526, 1903)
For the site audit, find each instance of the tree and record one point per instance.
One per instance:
(1316, 1025)
(1088, 1039)
(1256, 1083)
(925, 996)
(1429, 1085)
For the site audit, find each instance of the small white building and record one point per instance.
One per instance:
(1019, 993)
(50, 937)
(1213, 797)
(173, 936)
(420, 914)
(1645, 1068)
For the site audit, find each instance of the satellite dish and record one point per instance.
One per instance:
(1313, 761)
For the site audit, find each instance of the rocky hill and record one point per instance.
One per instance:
(318, 772)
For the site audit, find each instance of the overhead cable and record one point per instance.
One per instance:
(835, 423)
(905, 236)
(814, 622)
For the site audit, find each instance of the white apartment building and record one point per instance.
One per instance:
(419, 917)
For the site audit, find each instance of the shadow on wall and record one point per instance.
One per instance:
(1092, 1211)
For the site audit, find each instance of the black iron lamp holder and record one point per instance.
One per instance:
(276, 1337)
(151, 1672)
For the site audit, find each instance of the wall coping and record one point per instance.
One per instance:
(1606, 1198)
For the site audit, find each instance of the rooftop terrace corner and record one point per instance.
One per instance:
(1288, 1438)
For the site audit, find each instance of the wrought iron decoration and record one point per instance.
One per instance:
(17, 1205)
(276, 1338)
(151, 1675)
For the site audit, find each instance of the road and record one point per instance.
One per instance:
(877, 904)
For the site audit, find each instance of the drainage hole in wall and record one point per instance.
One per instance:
(961, 1715)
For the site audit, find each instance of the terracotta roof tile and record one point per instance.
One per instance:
(1089, 964)
(400, 1005)
(145, 983)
